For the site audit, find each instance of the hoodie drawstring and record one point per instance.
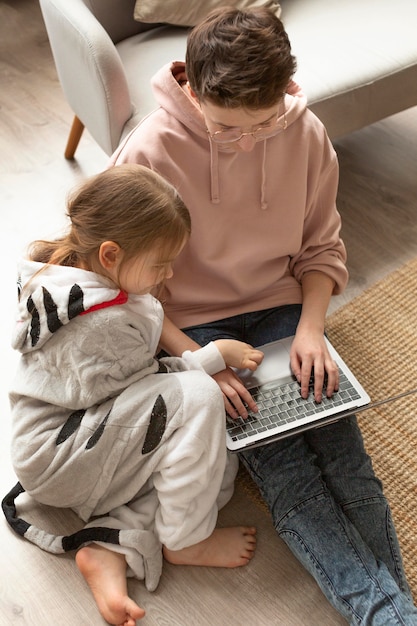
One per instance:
(214, 171)
(264, 204)
(214, 174)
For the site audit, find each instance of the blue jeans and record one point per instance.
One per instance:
(325, 500)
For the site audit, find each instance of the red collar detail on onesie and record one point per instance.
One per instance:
(121, 298)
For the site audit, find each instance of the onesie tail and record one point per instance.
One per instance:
(143, 541)
(47, 541)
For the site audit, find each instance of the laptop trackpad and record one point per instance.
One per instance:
(275, 365)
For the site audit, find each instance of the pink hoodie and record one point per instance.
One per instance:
(260, 219)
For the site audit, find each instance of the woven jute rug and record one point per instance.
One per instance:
(376, 335)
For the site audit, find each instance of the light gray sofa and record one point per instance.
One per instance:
(357, 61)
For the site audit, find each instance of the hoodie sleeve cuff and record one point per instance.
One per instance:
(208, 358)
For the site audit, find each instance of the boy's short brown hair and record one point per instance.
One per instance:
(239, 58)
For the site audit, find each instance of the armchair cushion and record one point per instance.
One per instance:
(190, 13)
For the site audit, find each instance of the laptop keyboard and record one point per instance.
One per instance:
(283, 404)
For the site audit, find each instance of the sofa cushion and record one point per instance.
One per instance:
(355, 61)
(190, 13)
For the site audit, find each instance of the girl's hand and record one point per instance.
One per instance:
(310, 351)
(237, 399)
(239, 354)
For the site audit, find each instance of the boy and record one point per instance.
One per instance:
(259, 175)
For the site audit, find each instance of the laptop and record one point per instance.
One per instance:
(282, 410)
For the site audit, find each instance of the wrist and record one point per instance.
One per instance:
(210, 358)
(311, 326)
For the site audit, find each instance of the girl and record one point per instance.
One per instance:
(133, 444)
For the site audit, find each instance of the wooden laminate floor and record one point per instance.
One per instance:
(378, 203)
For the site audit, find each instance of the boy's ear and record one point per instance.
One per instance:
(192, 92)
(109, 254)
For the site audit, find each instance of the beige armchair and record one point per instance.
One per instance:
(357, 61)
(104, 60)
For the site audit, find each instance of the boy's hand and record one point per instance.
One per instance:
(310, 352)
(239, 354)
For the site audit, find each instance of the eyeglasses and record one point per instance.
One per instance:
(259, 134)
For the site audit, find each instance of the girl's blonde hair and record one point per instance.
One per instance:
(128, 204)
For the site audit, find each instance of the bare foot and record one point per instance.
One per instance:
(105, 573)
(226, 547)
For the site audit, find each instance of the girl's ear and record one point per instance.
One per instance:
(109, 255)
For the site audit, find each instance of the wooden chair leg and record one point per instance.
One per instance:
(74, 138)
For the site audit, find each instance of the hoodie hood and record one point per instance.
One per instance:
(167, 85)
(51, 296)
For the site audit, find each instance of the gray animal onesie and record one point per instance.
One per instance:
(135, 446)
